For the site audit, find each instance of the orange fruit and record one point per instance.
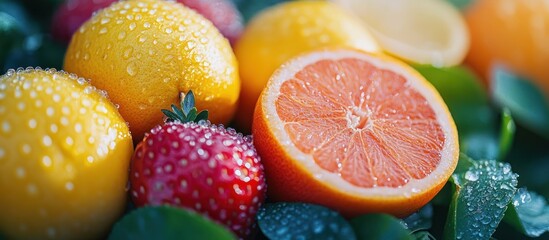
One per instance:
(421, 31)
(284, 31)
(144, 53)
(64, 157)
(514, 33)
(355, 132)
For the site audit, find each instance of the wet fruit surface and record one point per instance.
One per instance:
(144, 53)
(284, 31)
(203, 167)
(64, 155)
(355, 132)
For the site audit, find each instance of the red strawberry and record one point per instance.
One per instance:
(200, 166)
(223, 14)
(71, 14)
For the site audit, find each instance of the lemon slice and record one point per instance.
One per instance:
(420, 31)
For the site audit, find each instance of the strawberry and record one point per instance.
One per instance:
(71, 14)
(200, 166)
(222, 13)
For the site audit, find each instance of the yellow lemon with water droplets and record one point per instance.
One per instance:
(64, 157)
(144, 53)
(284, 31)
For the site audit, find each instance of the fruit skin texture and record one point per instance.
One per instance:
(144, 63)
(73, 13)
(64, 157)
(513, 33)
(203, 167)
(290, 181)
(284, 31)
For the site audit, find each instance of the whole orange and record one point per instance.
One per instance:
(283, 31)
(144, 53)
(514, 33)
(64, 157)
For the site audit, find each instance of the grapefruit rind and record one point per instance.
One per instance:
(425, 32)
(306, 163)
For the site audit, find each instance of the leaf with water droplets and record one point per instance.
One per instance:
(528, 213)
(302, 221)
(380, 226)
(164, 222)
(480, 200)
(420, 220)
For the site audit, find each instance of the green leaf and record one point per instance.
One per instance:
(481, 144)
(526, 101)
(192, 115)
(164, 222)
(250, 8)
(423, 235)
(380, 226)
(10, 35)
(420, 220)
(464, 163)
(507, 133)
(188, 102)
(178, 112)
(528, 213)
(469, 105)
(203, 115)
(302, 221)
(461, 4)
(480, 200)
(171, 116)
(465, 97)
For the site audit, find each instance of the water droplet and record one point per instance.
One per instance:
(471, 176)
(142, 38)
(105, 20)
(167, 58)
(147, 24)
(132, 26)
(168, 30)
(131, 69)
(103, 30)
(127, 52)
(121, 35)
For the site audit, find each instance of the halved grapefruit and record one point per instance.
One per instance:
(355, 132)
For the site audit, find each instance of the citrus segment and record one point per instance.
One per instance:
(356, 132)
(281, 32)
(425, 31)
